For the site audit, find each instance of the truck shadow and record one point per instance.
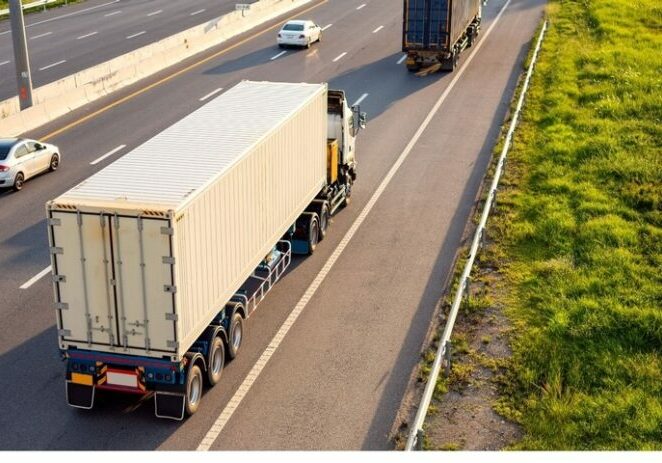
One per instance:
(34, 407)
(20, 247)
(398, 84)
(397, 383)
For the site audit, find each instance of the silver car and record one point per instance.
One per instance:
(21, 159)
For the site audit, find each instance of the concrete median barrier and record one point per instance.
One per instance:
(62, 96)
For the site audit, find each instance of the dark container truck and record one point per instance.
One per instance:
(436, 31)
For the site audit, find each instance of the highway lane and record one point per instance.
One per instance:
(338, 379)
(65, 40)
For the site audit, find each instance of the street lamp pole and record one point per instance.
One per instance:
(23, 77)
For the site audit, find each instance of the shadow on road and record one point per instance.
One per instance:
(440, 277)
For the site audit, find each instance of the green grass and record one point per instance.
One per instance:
(579, 231)
(4, 4)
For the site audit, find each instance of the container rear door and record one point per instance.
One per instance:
(414, 23)
(426, 24)
(114, 281)
(82, 275)
(142, 262)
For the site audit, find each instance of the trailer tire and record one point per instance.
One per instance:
(193, 390)
(324, 220)
(216, 361)
(237, 332)
(313, 233)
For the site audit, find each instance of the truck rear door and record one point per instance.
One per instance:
(113, 281)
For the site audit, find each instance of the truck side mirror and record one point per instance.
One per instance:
(359, 118)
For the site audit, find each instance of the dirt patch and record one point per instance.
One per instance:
(464, 418)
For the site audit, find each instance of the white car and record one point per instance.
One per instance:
(21, 159)
(299, 33)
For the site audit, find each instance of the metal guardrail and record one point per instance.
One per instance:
(416, 435)
(25, 6)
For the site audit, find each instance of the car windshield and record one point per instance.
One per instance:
(5, 148)
(293, 27)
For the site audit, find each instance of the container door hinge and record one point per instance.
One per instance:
(59, 279)
(167, 231)
(168, 260)
(54, 222)
(56, 250)
(170, 289)
(61, 306)
(64, 333)
(171, 316)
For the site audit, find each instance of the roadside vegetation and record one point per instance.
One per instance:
(578, 237)
(4, 4)
(574, 255)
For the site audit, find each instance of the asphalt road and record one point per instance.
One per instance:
(338, 378)
(62, 41)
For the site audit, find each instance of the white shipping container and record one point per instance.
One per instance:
(148, 250)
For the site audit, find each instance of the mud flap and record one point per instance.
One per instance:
(169, 405)
(80, 395)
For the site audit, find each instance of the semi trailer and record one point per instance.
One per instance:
(160, 258)
(435, 32)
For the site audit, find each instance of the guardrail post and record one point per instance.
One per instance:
(447, 356)
(467, 289)
(420, 436)
(481, 239)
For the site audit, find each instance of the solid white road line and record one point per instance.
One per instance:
(361, 98)
(112, 14)
(41, 35)
(52, 65)
(326, 27)
(198, 12)
(4, 62)
(252, 376)
(210, 94)
(109, 153)
(278, 55)
(36, 278)
(154, 13)
(402, 58)
(135, 35)
(339, 56)
(378, 29)
(360, 6)
(87, 35)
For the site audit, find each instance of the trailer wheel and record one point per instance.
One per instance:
(216, 361)
(193, 390)
(324, 221)
(313, 233)
(236, 334)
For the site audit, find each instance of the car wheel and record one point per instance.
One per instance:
(19, 181)
(308, 44)
(319, 37)
(55, 162)
(280, 45)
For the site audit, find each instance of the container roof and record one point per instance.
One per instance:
(166, 171)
